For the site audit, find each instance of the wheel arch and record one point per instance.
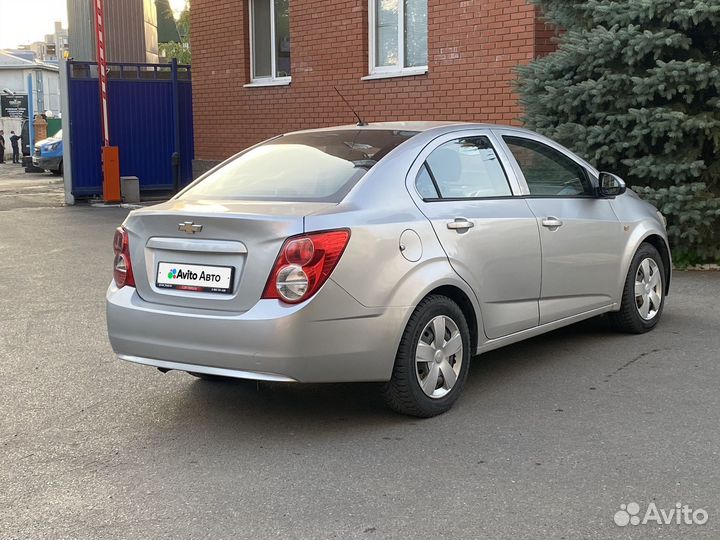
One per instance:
(464, 298)
(458, 296)
(648, 232)
(659, 243)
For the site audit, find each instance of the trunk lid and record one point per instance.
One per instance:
(243, 235)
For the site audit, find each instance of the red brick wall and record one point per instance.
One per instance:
(544, 35)
(474, 46)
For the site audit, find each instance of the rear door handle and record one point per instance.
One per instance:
(552, 222)
(460, 224)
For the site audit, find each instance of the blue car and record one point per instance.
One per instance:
(48, 154)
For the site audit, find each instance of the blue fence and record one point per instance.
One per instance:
(150, 118)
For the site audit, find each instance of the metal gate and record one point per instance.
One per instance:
(150, 117)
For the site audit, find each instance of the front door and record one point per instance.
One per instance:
(490, 236)
(581, 236)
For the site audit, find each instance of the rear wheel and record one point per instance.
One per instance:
(644, 293)
(432, 362)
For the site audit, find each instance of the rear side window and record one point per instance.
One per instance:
(466, 168)
(425, 185)
(316, 167)
(549, 173)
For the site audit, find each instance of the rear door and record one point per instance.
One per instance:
(466, 189)
(581, 237)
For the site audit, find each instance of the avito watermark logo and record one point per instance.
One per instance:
(680, 514)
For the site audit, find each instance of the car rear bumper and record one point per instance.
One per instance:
(331, 338)
(208, 370)
(49, 164)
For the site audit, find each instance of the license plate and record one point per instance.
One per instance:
(195, 278)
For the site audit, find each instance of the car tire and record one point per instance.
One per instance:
(58, 171)
(643, 297)
(410, 387)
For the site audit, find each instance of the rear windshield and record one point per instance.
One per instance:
(320, 167)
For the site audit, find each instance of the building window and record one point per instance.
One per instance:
(270, 41)
(398, 37)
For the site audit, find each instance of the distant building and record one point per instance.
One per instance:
(14, 71)
(60, 41)
(14, 98)
(131, 27)
(49, 51)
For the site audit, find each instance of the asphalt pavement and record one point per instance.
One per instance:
(19, 189)
(550, 438)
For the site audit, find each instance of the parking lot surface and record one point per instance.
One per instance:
(19, 189)
(549, 439)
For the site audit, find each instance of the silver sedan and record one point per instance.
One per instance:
(392, 252)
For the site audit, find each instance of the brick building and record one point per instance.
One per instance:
(263, 67)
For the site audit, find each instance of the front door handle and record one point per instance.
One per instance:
(552, 222)
(460, 224)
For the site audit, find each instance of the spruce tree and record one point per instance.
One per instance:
(634, 87)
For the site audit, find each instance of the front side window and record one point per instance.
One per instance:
(466, 168)
(398, 35)
(549, 173)
(270, 40)
(318, 166)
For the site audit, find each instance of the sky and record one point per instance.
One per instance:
(25, 21)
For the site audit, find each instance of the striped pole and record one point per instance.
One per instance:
(110, 154)
(102, 69)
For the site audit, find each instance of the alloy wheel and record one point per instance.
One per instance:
(648, 289)
(438, 357)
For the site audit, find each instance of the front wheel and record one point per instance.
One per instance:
(643, 296)
(432, 362)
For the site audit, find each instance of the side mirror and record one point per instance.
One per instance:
(611, 185)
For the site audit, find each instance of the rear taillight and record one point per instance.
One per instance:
(304, 264)
(122, 267)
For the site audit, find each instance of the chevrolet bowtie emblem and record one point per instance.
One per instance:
(189, 227)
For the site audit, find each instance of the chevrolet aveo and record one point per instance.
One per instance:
(390, 252)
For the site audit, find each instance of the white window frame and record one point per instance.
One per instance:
(272, 80)
(383, 72)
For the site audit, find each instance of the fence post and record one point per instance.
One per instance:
(176, 126)
(67, 142)
(31, 116)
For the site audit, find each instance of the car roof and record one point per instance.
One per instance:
(415, 125)
(431, 129)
